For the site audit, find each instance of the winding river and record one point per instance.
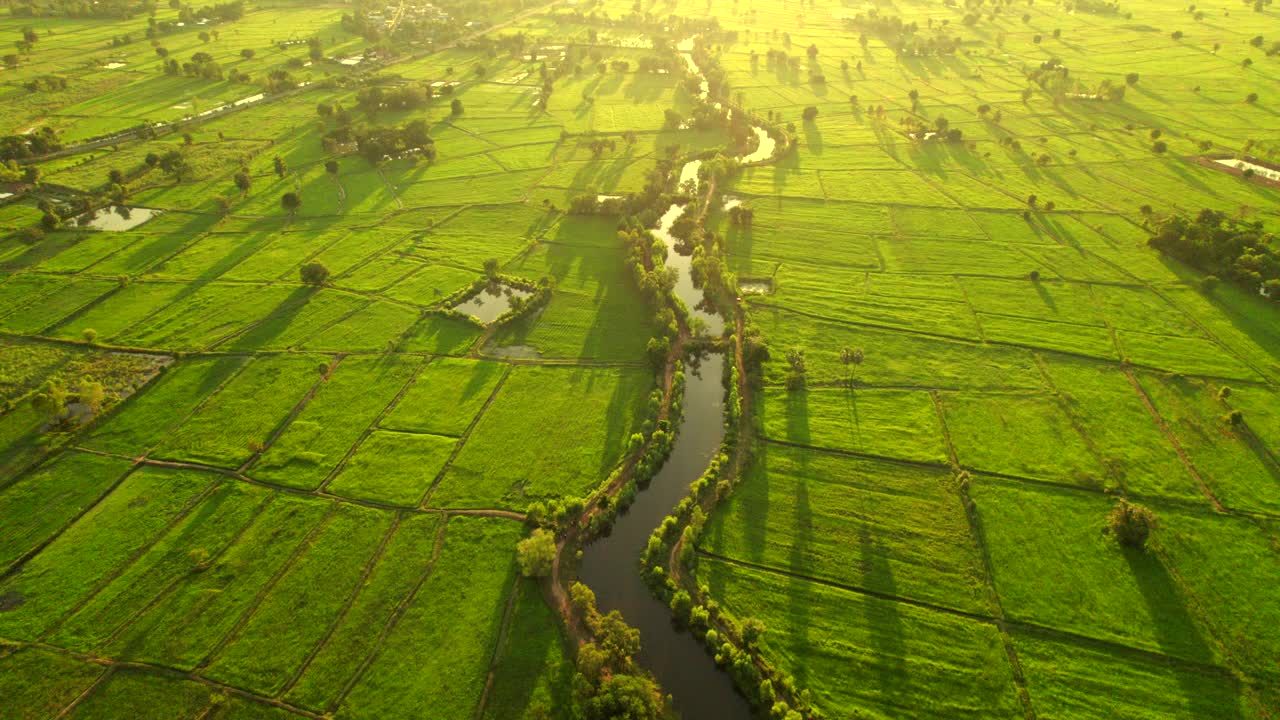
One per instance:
(610, 565)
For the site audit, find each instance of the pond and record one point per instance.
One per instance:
(1259, 170)
(491, 301)
(118, 218)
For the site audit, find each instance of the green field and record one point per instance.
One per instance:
(254, 465)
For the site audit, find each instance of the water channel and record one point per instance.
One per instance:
(610, 565)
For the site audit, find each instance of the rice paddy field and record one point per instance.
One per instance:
(230, 490)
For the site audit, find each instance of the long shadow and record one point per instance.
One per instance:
(884, 620)
(801, 593)
(275, 322)
(1179, 635)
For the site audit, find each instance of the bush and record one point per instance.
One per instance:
(537, 553)
(314, 273)
(1131, 524)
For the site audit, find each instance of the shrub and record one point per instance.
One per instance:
(1131, 524)
(537, 553)
(314, 273)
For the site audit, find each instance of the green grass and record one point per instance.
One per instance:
(405, 560)
(1054, 566)
(135, 694)
(394, 467)
(1069, 680)
(533, 678)
(445, 397)
(186, 625)
(459, 607)
(175, 557)
(890, 423)
(907, 660)
(1018, 434)
(36, 682)
(99, 544)
(38, 505)
(148, 417)
(292, 618)
(224, 430)
(346, 404)
(550, 432)
(867, 524)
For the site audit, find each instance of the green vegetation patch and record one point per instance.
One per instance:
(460, 608)
(891, 423)
(348, 401)
(909, 660)
(1020, 434)
(237, 421)
(148, 417)
(99, 544)
(550, 432)
(406, 559)
(1053, 565)
(445, 397)
(294, 615)
(38, 505)
(394, 467)
(37, 683)
(1073, 680)
(874, 525)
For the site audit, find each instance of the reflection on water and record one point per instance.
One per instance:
(610, 565)
(491, 302)
(118, 218)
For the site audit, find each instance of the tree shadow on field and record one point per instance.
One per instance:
(1179, 636)
(519, 669)
(883, 618)
(801, 592)
(813, 138)
(855, 422)
(275, 322)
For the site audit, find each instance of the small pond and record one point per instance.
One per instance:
(491, 302)
(118, 218)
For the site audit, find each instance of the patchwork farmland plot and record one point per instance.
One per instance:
(998, 284)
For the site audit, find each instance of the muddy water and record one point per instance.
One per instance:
(610, 565)
(119, 218)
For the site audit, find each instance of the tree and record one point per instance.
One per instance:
(1131, 78)
(537, 553)
(625, 697)
(491, 267)
(1159, 147)
(455, 107)
(247, 53)
(752, 631)
(852, 356)
(92, 394)
(331, 167)
(290, 202)
(796, 361)
(1131, 524)
(279, 165)
(314, 274)
(51, 400)
(244, 181)
(809, 114)
(1251, 98)
(812, 52)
